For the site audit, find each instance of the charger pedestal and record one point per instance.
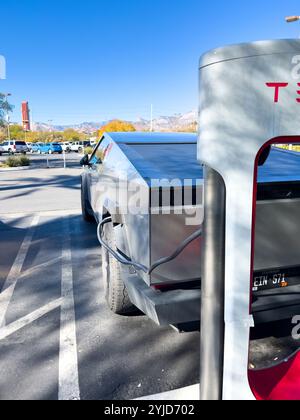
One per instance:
(249, 99)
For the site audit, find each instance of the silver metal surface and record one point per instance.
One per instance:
(248, 50)
(167, 233)
(212, 288)
(171, 307)
(147, 237)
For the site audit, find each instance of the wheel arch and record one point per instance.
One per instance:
(119, 231)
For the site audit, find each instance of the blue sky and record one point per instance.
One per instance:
(95, 60)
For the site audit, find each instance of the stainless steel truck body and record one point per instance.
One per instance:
(151, 186)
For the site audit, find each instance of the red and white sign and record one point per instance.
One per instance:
(25, 116)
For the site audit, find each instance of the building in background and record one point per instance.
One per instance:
(25, 116)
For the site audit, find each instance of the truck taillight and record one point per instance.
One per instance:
(161, 286)
(14, 147)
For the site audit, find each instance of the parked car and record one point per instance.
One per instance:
(13, 146)
(50, 148)
(135, 245)
(66, 146)
(36, 147)
(79, 146)
(29, 146)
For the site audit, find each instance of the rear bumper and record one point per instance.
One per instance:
(164, 308)
(183, 306)
(276, 305)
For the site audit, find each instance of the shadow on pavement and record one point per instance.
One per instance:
(119, 357)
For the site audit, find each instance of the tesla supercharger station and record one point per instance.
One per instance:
(249, 99)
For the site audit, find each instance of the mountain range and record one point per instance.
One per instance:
(177, 122)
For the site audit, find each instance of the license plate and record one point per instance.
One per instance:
(270, 281)
(276, 278)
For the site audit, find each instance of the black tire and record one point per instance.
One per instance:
(87, 212)
(116, 294)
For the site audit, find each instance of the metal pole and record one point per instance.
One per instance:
(8, 127)
(7, 115)
(64, 155)
(213, 287)
(151, 124)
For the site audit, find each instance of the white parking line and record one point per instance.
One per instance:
(15, 272)
(29, 319)
(40, 267)
(191, 393)
(46, 213)
(68, 360)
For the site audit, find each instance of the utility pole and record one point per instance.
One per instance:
(7, 114)
(8, 127)
(50, 122)
(151, 123)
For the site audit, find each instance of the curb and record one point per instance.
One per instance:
(20, 168)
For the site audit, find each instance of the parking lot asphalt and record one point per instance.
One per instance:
(58, 340)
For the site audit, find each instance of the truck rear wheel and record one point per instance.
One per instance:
(115, 290)
(86, 207)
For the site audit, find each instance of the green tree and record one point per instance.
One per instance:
(72, 135)
(5, 108)
(3, 134)
(17, 132)
(191, 128)
(116, 126)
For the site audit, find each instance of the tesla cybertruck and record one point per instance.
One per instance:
(145, 191)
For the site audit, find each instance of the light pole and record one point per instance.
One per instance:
(151, 120)
(6, 95)
(290, 19)
(50, 122)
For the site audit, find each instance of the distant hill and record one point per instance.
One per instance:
(86, 127)
(177, 122)
(168, 123)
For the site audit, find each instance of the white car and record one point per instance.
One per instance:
(13, 146)
(79, 146)
(29, 146)
(66, 147)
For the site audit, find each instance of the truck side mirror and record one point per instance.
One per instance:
(85, 161)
